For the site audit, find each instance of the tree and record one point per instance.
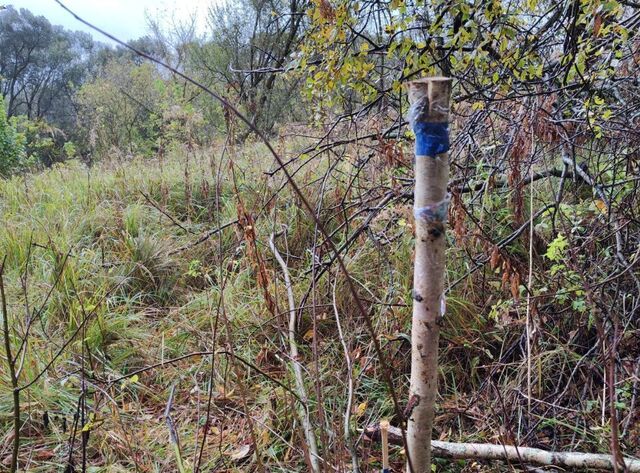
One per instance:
(41, 65)
(248, 41)
(134, 109)
(120, 109)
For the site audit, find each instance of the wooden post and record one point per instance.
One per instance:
(384, 434)
(429, 117)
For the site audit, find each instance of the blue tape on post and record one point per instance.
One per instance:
(431, 138)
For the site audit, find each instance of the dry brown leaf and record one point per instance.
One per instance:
(240, 453)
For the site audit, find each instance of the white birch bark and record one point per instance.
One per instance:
(429, 100)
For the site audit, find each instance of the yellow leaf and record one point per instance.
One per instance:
(361, 408)
(602, 207)
(88, 426)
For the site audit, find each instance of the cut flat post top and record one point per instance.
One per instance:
(429, 118)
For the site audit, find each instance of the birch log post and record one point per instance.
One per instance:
(429, 117)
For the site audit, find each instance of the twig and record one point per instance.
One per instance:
(173, 435)
(204, 237)
(347, 410)
(295, 361)
(482, 260)
(155, 205)
(529, 289)
(74, 334)
(11, 363)
(204, 353)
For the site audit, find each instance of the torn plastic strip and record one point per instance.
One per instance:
(432, 138)
(433, 213)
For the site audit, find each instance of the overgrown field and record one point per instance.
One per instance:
(148, 315)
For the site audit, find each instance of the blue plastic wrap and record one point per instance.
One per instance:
(433, 213)
(432, 138)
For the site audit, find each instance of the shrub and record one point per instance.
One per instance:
(44, 144)
(12, 151)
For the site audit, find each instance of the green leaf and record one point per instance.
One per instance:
(556, 249)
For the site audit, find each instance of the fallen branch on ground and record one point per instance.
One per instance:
(532, 456)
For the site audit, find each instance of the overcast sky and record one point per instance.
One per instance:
(125, 19)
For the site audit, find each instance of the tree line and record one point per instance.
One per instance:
(68, 95)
